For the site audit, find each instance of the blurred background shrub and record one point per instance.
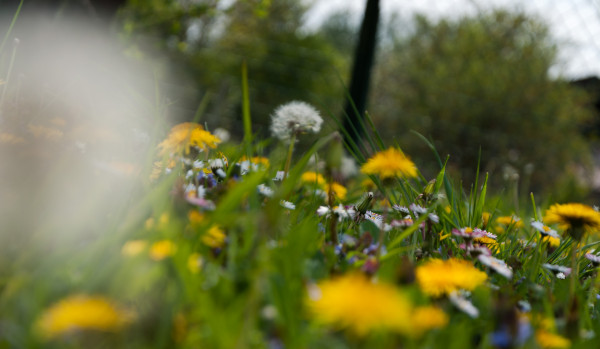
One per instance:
(486, 82)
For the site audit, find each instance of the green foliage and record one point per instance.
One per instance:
(484, 83)
(207, 43)
(245, 264)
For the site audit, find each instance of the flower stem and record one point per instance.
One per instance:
(574, 270)
(288, 161)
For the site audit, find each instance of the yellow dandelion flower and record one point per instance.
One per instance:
(355, 303)
(133, 247)
(573, 216)
(485, 240)
(214, 237)
(427, 318)
(510, 220)
(313, 178)
(260, 160)
(485, 216)
(257, 160)
(549, 340)
(81, 312)
(195, 263)
(195, 217)
(338, 190)
(204, 139)
(552, 241)
(437, 277)
(186, 135)
(390, 163)
(162, 249)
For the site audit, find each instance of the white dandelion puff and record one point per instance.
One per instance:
(295, 117)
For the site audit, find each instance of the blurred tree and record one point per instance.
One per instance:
(99, 9)
(340, 31)
(207, 42)
(482, 82)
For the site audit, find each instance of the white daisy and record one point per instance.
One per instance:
(545, 230)
(498, 265)
(266, 191)
(287, 204)
(464, 305)
(279, 176)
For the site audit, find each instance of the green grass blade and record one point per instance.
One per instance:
(12, 24)
(246, 109)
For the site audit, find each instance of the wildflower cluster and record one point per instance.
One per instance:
(237, 247)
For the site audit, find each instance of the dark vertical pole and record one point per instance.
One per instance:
(361, 72)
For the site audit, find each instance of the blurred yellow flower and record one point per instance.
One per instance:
(510, 220)
(338, 190)
(186, 135)
(437, 277)
(257, 160)
(214, 237)
(133, 247)
(356, 303)
(427, 318)
(313, 178)
(573, 215)
(485, 216)
(195, 263)
(81, 312)
(162, 249)
(195, 217)
(485, 240)
(552, 241)
(549, 340)
(390, 163)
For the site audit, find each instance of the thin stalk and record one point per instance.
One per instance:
(10, 67)
(332, 219)
(288, 161)
(574, 271)
(12, 24)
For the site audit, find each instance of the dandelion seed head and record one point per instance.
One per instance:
(295, 117)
